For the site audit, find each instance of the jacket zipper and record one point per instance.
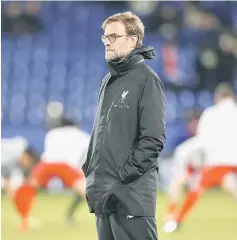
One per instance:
(100, 92)
(107, 117)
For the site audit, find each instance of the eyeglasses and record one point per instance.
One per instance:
(112, 37)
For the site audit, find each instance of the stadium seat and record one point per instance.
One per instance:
(187, 99)
(204, 99)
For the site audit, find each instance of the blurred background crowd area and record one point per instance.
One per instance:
(51, 51)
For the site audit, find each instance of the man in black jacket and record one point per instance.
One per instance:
(128, 136)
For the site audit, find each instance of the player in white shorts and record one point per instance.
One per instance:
(217, 132)
(188, 159)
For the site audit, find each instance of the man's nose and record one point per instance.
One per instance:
(107, 42)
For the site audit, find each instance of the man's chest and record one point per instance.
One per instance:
(121, 95)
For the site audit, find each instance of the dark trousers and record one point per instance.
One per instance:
(120, 227)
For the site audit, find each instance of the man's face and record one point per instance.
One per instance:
(117, 43)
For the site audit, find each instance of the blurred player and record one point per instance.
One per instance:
(65, 147)
(80, 154)
(188, 159)
(217, 132)
(14, 152)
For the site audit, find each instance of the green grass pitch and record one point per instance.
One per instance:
(214, 218)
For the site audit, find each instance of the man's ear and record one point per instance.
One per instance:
(134, 40)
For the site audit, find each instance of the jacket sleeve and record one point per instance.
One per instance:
(151, 137)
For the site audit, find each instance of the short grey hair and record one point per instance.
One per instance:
(132, 23)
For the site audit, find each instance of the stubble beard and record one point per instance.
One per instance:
(117, 57)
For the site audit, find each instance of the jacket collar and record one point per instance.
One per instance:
(135, 58)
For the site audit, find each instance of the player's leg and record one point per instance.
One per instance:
(174, 195)
(73, 178)
(204, 180)
(73, 207)
(23, 199)
(210, 176)
(198, 183)
(229, 182)
(191, 198)
(25, 195)
(79, 187)
(185, 154)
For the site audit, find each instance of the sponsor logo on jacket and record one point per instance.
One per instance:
(121, 103)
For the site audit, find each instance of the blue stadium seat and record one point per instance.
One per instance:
(171, 113)
(21, 72)
(19, 87)
(171, 97)
(35, 115)
(42, 41)
(16, 118)
(76, 83)
(8, 45)
(37, 86)
(6, 56)
(187, 99)
(39, 70)
(24, 43)
(5, 71)
(18, 103)
(40, 55)
(76, 99)
(4, 86)
(36, 99)
(58, 71)
(59, 57)
(56, 96)
(89, 113)
(64, 6)
(204, 99)
(81, 14)
(21, 57)
(3, 101)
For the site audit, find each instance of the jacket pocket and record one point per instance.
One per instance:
(109, 200)
(147, 183)
(126, 159)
